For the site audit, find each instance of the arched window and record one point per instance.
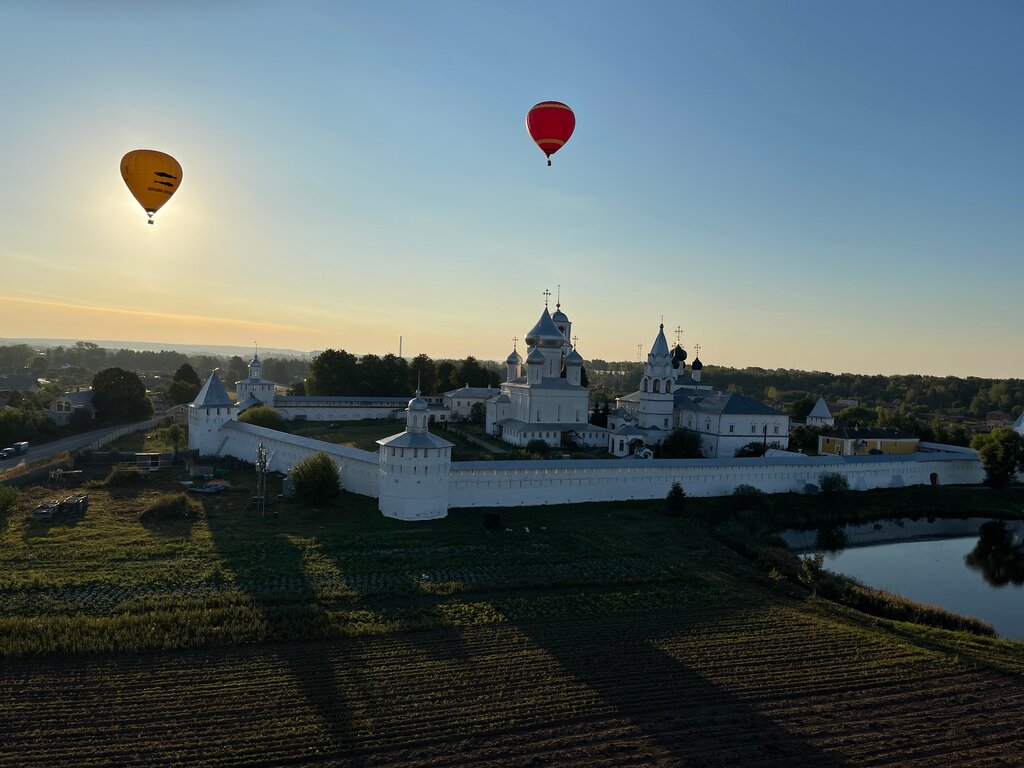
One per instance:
(620, 445)
(657, 386)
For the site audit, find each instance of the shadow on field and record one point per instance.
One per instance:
(694, 721)
(254, 549)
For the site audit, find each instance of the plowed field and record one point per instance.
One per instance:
(597, 635)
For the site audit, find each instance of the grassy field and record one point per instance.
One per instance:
(597, 635)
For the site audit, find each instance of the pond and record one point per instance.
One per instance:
(974, 567)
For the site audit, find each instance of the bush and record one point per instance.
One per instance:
(8, 499)
(172, 506)
(315, 480)
(126, 476)
(1002, 455)
(263, 416)
(833, 484)
(538, 447)
(746, 497)
(681, 444)
(676, 498)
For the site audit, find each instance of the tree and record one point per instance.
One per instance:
(804, 437)
(856, 416)
(187, 374)
(184, 386)
(118, 395)
(812, 567)
(681, 444)
(801, 409)
(833, 484)
(1002, 455)
(332, 372)
(676, 498)
(423, 374)
(539, 447)
(315, 480)
(237, 370)
(263, 416)
(478, 413)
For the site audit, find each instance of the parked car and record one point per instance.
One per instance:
(20, 448)
(8, 453)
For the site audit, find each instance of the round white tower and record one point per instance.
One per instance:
(414, 468)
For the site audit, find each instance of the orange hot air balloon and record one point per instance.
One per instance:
(152, 177)
(550, 124)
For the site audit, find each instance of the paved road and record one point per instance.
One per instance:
(43, 451)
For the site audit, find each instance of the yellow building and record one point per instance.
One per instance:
(862, 441)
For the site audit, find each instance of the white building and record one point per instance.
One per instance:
(544, 399)
(820, 416)
(671, 398)
(460, 402)
(254, 390)
(414, 469)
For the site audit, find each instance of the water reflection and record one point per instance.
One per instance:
(972, 566)
(831, 539)
(999, 555)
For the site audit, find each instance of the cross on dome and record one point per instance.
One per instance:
(547, 295)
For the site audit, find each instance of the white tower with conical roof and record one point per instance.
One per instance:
(211, 409)
(414, 468)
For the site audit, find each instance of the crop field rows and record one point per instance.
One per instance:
(100, 598)
(777, 686)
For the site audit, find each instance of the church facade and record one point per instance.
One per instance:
(674, 397)
(544, 397)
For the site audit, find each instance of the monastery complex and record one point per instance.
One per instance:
(544, 397)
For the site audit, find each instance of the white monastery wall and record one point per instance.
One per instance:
(510, 483)
(360, 470)
(528, 483)
(338, 413)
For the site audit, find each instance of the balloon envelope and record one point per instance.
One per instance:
(550, 124)
(151, 176)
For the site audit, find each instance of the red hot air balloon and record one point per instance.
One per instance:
(550, 124)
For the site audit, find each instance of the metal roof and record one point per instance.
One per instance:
(480, 392)
(820, 410)
(660, 348)
(212, 394)
(414, 440)
(730, 403)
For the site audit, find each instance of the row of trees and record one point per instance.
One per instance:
(337, 372)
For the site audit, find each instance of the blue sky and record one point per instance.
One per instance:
(831, 186)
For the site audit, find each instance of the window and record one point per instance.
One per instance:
(732, 428)
(776, 429)
(657, 386)
(753, 427)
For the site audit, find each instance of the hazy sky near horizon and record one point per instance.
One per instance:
(829, 186)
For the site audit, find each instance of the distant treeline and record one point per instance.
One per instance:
(340, 372)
